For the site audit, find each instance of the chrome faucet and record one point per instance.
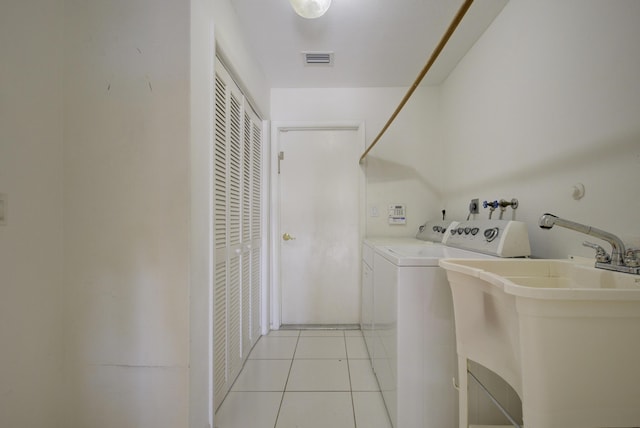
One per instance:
(620, 260)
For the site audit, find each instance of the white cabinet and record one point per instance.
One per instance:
(385, 331)
(237, 231)
(366, 308)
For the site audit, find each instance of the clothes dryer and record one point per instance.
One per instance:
(430, 233)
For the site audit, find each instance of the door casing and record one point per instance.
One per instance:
(275, 292)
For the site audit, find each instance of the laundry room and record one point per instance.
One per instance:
(159, 210)
(527, 113)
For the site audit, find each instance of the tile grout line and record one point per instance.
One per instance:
(353, 406)
(293, 357)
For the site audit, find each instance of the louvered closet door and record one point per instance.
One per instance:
(250, 252)
(221, 380)
(251, 228)
(237, 283)
(235, 241)
(246, 232)
(256, 228)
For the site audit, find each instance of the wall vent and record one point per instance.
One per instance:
(318, 58)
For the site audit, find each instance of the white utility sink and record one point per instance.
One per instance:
(565, 336)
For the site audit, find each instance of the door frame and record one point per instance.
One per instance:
(275, 291)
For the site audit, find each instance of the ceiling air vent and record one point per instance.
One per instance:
(318, 58)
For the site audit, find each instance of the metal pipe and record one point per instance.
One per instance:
(504, 411)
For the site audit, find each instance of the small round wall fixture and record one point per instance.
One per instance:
(310, 8)
(578, 191)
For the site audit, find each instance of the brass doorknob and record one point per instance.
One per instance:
(288, 237)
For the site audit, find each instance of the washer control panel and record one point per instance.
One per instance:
(435, 230)
(501, 238)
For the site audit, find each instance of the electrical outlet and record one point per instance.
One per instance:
(3, 209)
(474, 206)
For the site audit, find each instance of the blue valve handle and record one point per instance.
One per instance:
(493, 204)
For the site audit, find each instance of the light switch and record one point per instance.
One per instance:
(3, 209)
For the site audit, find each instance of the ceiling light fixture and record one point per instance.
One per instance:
(310, 8)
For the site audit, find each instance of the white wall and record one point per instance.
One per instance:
(126, 181)
(547, 98)
(236, 54)
(403, 167)
(104, 144)
(138, 186)
(200, 221)
(31, 333)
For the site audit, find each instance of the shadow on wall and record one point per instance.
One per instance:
(380, 170)
(569, 160)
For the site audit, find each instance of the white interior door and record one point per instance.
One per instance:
(319, 210)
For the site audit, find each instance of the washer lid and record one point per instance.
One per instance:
(389, 241)
(428, 255)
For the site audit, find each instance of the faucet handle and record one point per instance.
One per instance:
(601, 255)
(631, 257)
(493, 205)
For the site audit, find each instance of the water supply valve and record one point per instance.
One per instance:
(504, 204)
(492, 206)
(513, 203)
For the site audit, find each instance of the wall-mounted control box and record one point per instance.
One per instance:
(397, 214)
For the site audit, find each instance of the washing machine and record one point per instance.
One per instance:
(413, 336)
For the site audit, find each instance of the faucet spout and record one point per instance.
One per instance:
(547, 221)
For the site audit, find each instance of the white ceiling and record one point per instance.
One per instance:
(376, 43)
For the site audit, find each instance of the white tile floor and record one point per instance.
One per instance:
(305, 379)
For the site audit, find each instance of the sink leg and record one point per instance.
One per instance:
(463, 392)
